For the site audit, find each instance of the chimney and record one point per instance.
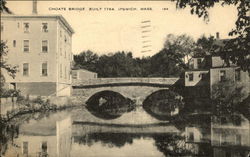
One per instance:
(217, 35)
(34, 11)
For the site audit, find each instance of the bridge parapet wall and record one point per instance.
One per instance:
(98, 81)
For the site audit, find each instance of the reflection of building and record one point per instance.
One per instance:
(232, 130)
(230, 135)
(197, 135)
(41, 47)
(82, 74)
(49, 143)
(35, 146)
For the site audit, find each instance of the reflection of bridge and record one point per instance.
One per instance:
(82, 128)
(133, 88)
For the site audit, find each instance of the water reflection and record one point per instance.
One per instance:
(109, 105)
(163, 104)
(41, 135)
(57, 134)
(226, 135)
(231, 135)
(107, 139)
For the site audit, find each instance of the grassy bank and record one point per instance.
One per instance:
(25, 106)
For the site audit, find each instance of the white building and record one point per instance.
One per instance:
(40, 45)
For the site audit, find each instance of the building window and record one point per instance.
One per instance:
(238, 139)
(26, 27)
(60, 51)
(26, 46)
(203, 75)
(45, 46)
(237, 75)
(190, 77)
(222, 75)
(25, 69)
(25, 148)
(223, 120)
(74, 75)
(2, 27)
(45, 27)
(44, 69)
(199, 63)
(44, 147)
(14, 43)
(12, 86)
(224, 139)
(191, 136)
(60, 33)
(191, 64)
(65, 72)
(69, 73)
(65, 38)
(236, 120)
(60, 70)
(18, 25)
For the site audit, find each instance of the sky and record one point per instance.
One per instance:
(104, 30)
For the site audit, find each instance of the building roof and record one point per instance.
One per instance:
(217, 44)
(220, 42)
(59, 17)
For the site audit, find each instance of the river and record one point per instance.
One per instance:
(76, 132)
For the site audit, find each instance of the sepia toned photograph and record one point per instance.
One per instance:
(162, 78)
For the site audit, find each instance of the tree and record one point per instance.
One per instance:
(227, 96)
(236, 50)
(170, 60)
(86, 60)
(3, 8)
(119, 64)
(11, 70)
(175, 145)
(204, 46)
(166, 63)
(182, 44)
(143, 66)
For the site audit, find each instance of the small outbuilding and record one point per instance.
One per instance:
(82, 74)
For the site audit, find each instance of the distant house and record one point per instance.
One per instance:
(205, 72)
(41, 47)
(82, 74)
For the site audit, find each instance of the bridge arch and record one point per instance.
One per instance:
(135, 93)
(109, 104)
(163, 104)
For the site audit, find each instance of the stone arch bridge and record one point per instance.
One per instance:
(136, 89)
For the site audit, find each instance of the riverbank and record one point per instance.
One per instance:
(12, 107)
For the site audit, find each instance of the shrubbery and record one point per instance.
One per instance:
(5, 93)
(227, 97)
